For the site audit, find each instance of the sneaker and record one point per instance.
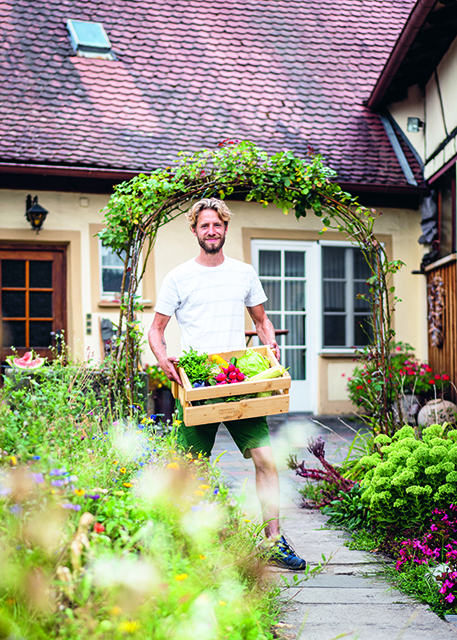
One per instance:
(284, 556)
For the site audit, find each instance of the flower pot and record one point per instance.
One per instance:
(409, 405)
(437, 412)
(164, 404)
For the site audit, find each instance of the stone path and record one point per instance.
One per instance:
(346, 600)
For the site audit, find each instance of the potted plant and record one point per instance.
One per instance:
(159, 388)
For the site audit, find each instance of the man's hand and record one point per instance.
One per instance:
(275, 348)
(169, 369)
(159, 347)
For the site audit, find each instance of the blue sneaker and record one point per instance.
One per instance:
(282, 555)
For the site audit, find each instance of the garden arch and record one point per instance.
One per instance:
(138, 208)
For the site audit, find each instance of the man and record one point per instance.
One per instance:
(209, 294)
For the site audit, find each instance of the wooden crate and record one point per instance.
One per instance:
(220, 412)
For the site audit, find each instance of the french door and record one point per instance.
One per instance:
(286, 270)
(33, 298)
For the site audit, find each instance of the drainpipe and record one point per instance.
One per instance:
(412, 27)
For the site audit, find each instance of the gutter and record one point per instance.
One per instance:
(412, 27)
(80, 172)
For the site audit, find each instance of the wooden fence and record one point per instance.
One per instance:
(443, 358)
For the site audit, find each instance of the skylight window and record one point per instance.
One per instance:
(89, 39)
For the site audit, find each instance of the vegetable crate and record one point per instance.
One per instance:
(195, 415)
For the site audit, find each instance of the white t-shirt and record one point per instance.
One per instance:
(209, 303)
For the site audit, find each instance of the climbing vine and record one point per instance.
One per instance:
(138, 208)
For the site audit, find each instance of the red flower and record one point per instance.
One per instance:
(359, 386)
(99, 528)
(428, 369)
(445, 376)
(432, 381)
(368, 381)
(437, 377)
(401, 372)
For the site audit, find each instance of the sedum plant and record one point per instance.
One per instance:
(406, 478)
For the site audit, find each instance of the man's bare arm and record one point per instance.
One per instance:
(264, 328)
(158, 346)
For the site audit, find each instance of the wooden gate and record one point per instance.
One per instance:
(442, 350)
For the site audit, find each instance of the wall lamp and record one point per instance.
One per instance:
(35, 213)
(414, 125)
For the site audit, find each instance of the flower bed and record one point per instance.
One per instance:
(107, 530)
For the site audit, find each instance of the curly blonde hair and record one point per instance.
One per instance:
(216, 205)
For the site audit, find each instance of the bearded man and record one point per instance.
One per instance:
(209, 295)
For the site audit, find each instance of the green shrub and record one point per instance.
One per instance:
(349, 511)
(407, 477)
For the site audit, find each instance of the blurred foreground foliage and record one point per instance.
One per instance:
(108, 531)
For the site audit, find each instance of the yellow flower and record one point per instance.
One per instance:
(178, 422)
(202, 557)
(79, 492)
(222, 603)
(181, 576)
(189, 455)
(173, 465)
(123, 470)
(53, 490)
(324, 229)
(10, 601)
(204, 487)
(13, 460)
(129, 626)
(246, 520)
(199, 493)
(116, 611)
(127, 484)
(200, 456)
(116, 461)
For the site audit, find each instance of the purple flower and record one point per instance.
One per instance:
(38, 478)
(15, 509)
(4, 491)
(57, 483)
(57, 472)
(450, 598)
(94, 496)
(216, 491)
(36, 457)
(75, 507)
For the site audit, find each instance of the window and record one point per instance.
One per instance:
(32, 301)
(346, 318)
(446, 215)
(89, 39)
(111, 271)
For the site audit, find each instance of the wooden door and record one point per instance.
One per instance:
(33, 297)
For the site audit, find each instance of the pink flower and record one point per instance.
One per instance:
(450, 598)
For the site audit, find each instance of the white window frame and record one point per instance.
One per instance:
(349, 298)
(109, 296)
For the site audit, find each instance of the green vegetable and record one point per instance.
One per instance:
(197, 366)
(233, 361)
(272, 372)
(252, 363)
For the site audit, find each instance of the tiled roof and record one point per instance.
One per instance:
(190, 73)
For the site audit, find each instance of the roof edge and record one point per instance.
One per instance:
(62, 170)
(412, 26)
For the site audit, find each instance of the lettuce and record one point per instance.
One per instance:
(252, 363)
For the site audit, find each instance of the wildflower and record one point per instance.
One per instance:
(129, 626)
(247, 520)
(13, 460)
(58, 472)
(221, 602)
(181, 576)
(450, 598)
(178, 422)
(79, 492)
(202, 557)
(123, 470)
(116, 611)
(173, 465)
(57, 483)
(36, 457)
(38, 478)
(323, 229)
(204, 487)
(69, 505)
(99, 528)
(116, 461)
(16, 509)
(127, 484)
(93, 496)
(199, 493)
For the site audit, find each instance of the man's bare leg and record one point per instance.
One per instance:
(267, 485)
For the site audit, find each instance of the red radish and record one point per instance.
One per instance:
(232, 375)
(231, 367)
(237, 371)
(240, 377)
(220, 377)
(223, 382)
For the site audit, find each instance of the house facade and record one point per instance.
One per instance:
(85, 108)
(417, 90)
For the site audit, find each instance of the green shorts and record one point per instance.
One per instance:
(248, 434)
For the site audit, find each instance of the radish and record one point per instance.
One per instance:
(240, 377)
(231, 368)
(220, 377)
(232, 375)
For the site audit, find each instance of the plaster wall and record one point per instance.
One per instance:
(74, 218)
(412, 107)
